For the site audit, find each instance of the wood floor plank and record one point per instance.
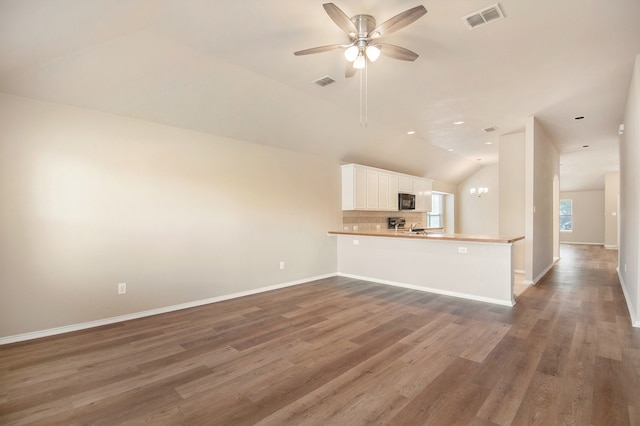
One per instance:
(610, 405)
(434, 405)
(352, 398)
(348, 352)
(489, 336)
(575, 394)
(536, 407)
(517, 361)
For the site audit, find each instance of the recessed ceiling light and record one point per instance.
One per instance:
(488, 143)
(450, 150)
(458, 122)
(411, 132)
(580, 117)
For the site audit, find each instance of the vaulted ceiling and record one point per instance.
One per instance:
(228, 68)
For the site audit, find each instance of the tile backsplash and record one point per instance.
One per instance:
(374, 220)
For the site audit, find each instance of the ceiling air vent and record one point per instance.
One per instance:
(324, 81)
(490, 129)
(484, 16)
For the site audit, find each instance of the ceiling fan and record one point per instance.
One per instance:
(364, 34)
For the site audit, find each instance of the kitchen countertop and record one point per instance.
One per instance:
(390, 233)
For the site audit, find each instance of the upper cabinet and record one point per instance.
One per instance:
(368, 188)
(405, 184)
(422, 191)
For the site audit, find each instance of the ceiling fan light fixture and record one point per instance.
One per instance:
(351, 53)
(373, 52)
(359, 63)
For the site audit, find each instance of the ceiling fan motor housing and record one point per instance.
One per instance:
(364, 24)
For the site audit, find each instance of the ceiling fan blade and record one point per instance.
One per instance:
(397, 52)
(399, 21)
(340, 18)
(350, 70)
(319, 49)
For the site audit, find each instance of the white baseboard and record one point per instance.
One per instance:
(165, 309)
(543, 273)
(609, 247)
(518, 271)
(577, 242)
(430, 290)
(634, 321)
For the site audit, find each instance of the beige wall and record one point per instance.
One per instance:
(629, 256)
(91, 200)
(440, 186)
(587, 217)
(611, 197)
(542, 165)
(512, 184)
(479, 215)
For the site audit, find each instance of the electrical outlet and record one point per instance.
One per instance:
(462, 249)
(356, 242)
(282, 264)
(122, 288)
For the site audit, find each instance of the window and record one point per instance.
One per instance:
(434, 217)
(566, 215)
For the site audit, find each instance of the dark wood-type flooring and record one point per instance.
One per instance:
(347, 352)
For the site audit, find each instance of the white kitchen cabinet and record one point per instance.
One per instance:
(387, 191)
(368, 188)
(393, 192)
(373, 198)
(405, 184)
(383, 191)
(354, 187)
(422, 191)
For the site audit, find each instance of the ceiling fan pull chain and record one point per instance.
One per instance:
(366, 92)
(364, 96)
(361, 80)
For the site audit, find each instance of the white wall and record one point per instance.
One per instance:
(512, 184)
(484, 272)
(611, 197)
(479, 215)
(629, 255)
(450, 214)
(587, 217)
(90, 200)
(542, 164)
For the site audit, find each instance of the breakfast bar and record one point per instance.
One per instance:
(477, 267)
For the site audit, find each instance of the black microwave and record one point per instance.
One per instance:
(406, 202)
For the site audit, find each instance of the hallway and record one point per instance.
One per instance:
(589, 371)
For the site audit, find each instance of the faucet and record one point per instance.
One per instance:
(397, 224)
(413, 226)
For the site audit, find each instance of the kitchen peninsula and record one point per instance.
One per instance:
(477, 267)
